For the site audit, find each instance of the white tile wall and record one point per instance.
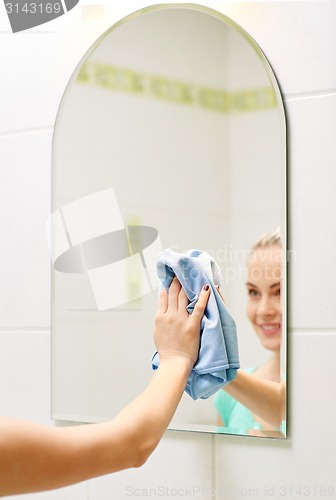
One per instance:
(25, 374)
(296, 36)
(29, 80)
(24, 209)
(312, 184)
(181, 464)
(299, 40)
(76, 492)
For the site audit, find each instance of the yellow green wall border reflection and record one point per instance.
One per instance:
(121, 79)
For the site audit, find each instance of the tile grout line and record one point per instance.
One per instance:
(312, 331)
(293, 331)
(23, 329)
(33, 130)
(214, 467)
(307, 95)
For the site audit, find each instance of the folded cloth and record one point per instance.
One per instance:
(218, 358)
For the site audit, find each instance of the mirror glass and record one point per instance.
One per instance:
(170, 134)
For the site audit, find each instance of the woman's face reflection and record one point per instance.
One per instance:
(264, 295)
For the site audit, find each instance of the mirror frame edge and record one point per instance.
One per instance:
(283, 161)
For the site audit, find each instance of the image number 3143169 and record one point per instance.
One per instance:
(24, 15)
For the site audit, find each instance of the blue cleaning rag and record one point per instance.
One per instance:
(218, 358)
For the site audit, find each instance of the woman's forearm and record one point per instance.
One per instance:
(134, 433)
(35, 457)
(262, 397)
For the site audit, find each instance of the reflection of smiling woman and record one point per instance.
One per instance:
(264, 312)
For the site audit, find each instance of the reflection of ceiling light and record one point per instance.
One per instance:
(89, 236)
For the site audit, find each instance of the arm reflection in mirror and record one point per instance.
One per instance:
(263, 398)
(255, 399)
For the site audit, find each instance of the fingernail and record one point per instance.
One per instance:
(206, 287)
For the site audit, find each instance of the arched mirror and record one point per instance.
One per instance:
(171, 133)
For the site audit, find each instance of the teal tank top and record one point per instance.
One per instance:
(235, 415)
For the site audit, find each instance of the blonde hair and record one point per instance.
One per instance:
(268, 240)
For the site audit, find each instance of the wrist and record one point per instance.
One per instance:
(177, 363)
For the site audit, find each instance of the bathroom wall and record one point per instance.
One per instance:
(299, 40)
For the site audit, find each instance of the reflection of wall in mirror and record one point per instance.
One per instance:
(255, 206)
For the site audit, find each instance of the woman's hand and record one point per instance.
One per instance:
(176, 332)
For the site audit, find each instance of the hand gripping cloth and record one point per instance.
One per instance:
(218, 358)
